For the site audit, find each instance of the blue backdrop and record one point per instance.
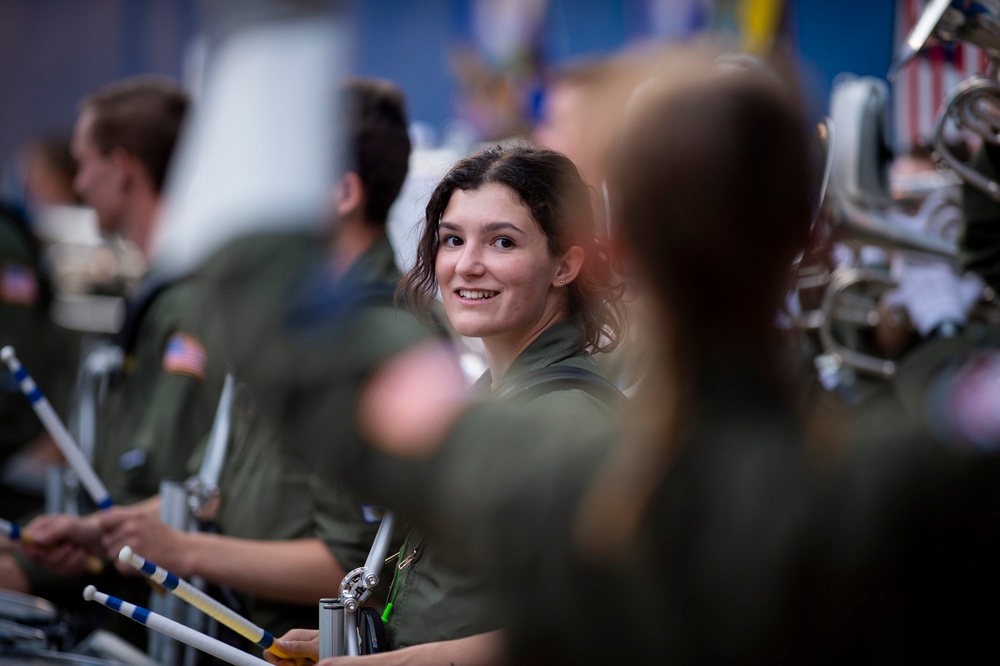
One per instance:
(52, 52)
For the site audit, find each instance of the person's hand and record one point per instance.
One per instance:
(411, 402)
(303, 644)
(63, 545)
(149, 537)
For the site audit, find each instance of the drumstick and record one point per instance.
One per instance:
(14, 532)
(206, 604)
(74, 457)
(174, 630)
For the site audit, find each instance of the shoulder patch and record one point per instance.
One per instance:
(18, 285)
(185, 355)
(962, 405)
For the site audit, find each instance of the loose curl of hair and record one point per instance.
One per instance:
(559, 200)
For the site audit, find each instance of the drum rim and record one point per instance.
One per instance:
(43, 609)
(46, 657)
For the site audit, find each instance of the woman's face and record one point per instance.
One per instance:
(497, 279)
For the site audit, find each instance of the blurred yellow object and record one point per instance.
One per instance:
(761, 20)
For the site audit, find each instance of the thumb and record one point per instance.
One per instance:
(295, 648)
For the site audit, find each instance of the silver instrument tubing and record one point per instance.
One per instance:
(969, 105)
(839, 282)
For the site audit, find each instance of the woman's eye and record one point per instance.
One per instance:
(504, 243)
(451, 241)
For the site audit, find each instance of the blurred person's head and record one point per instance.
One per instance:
(581, 109)
(48, 169)
(709, 186)
(710, 190)
(123, 141)
(509, 238)
(372, 124)
(377, 144)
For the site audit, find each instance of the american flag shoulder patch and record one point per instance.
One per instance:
(18, 285)
(185, 355)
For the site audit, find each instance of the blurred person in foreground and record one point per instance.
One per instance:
(582, 106)
(509, 238)
(703, 531)
(288, 534)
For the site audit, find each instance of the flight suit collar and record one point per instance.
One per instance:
(377, 264)
(556, 343)
(138, 304)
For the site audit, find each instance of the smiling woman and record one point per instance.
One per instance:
(510, 239)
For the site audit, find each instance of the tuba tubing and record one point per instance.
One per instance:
(963, 105)
(839, 282)
(853, 222)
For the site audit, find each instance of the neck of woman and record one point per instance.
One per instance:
(502, 349)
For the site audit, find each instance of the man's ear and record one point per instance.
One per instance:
(349, 195)
(127, 169)
(569, 266)
(131, 172)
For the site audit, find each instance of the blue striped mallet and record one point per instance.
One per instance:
(206, 604)
(11, 530)
(74, 457)
(174, 630)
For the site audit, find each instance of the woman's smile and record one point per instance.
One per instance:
(476, 294)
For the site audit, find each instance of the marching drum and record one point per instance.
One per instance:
(28, 620)
(18, 636)
(51, 658)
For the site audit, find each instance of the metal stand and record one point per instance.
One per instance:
(354, 589)
(181, 507)
(173, 513)
(332, 628)
(93, 379)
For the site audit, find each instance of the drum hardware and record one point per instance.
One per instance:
(182, 507)
(338, 618)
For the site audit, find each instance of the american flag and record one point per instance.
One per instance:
(922, 84)
(186, 355)
(18, 285)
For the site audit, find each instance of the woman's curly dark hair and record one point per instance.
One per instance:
(559, 201)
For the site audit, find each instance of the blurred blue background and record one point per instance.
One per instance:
(53, 52)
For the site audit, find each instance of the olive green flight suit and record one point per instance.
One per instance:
(437, 595)
(272, 489)
(750, 551)
(155, 415)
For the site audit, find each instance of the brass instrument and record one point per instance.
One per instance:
(861, 204)
(975, 105)
(858, 211)
(863, 313)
